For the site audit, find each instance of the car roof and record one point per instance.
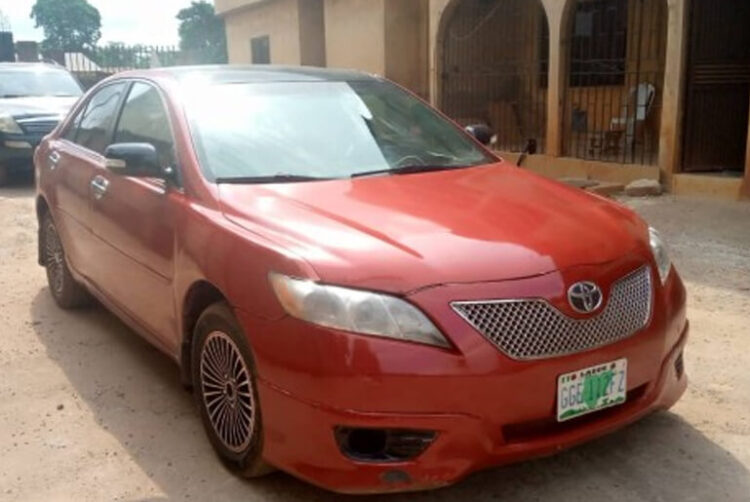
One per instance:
(225, 74)
(31, 66)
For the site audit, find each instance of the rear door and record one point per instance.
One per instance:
(133, 221)
(72, 162)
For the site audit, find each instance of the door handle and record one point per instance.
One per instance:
(99, 186)
(54, 158)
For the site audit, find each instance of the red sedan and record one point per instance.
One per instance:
(357, 291)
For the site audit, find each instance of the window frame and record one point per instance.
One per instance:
(128, 83)
(164, 103)
(578, 78)
(259, 39)
(75, 121)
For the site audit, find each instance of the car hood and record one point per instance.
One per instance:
(37, 106)
(402, 233)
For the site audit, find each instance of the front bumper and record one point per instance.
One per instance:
(17, 151)
(486, 408)
(299, 438)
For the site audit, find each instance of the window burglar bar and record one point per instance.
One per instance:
(616, 71)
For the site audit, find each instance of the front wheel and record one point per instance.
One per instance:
(66, 291)
(224, 381)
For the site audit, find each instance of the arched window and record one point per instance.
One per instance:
(615, 80)
(493, 68)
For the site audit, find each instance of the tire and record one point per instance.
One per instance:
(66, 291)
(3, 176)
(224, 376)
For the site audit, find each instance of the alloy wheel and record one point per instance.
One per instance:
(54, 258)
(227, 392)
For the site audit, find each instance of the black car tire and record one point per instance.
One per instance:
(223, 392)
(3, 175)
(66, 291)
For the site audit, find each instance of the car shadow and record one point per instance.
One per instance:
(135, 395)
(18, 186)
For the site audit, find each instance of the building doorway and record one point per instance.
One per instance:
(717, 97)
(494, 62)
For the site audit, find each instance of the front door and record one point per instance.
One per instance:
(133, 223)
(73, 161)
(718, 86)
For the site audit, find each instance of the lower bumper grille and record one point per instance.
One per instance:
(534, 329)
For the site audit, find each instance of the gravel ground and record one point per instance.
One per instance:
(89, 411)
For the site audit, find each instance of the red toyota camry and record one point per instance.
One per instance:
(357, 291)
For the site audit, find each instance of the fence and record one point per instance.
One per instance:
(92, 65)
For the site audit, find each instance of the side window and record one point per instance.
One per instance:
(72, 130)
(144, 120)
(97, 120)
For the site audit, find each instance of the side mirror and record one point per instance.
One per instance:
(139, 160)
(483, 133)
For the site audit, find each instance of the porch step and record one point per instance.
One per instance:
(604, 188)
(607, 189)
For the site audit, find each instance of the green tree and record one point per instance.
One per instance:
(202, 33)
(69, 25)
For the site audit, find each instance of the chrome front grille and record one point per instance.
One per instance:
(534, 329)
(38, 127)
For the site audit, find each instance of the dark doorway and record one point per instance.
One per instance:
(718, 86)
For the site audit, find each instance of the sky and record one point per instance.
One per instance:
(148, 22)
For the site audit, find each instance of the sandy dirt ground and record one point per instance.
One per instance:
(89, 411)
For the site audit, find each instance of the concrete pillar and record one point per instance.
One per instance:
(437, 10)
(746, 185)
(670, 148)
(557, 11)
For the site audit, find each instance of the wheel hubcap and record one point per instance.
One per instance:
(54, 259)
(227, 391)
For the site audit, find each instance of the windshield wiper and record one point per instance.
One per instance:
(410, 169)
(276, 178)
(12, 96)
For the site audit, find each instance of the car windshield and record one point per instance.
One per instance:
(23, 83)
(298, 131)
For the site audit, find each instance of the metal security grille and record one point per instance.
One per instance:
(615, 80)
(534, 329)
(494, 64)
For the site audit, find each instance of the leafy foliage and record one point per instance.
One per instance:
(69, 25)
(202, 33)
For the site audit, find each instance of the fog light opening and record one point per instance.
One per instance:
(382, 445)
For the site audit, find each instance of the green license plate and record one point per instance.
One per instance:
(591, 389)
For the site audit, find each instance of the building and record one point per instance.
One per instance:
(610, 89)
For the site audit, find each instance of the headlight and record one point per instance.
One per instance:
(661, 256)
(355, 311)
(8, 125)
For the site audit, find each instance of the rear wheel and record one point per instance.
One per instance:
(223, 375)
(66, 291)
